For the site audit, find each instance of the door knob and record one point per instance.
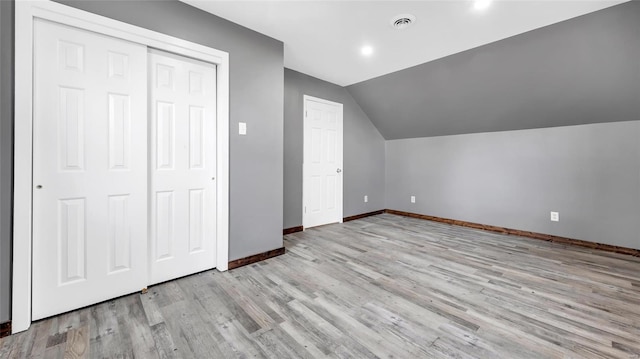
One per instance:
(338, 170)
(38, 186)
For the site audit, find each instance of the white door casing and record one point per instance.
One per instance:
(322, 164)
(26, 14)
(90, 168)
(182, 105)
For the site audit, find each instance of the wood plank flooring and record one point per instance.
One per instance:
(380, 287)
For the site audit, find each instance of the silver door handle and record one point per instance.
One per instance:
(338, 170)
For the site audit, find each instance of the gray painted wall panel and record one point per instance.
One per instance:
(6, 157)
(363, 152)
(588, 173)
(583, 70)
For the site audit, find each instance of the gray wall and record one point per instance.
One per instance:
(6, 158)
(590, 174)
(363, 152)
(583, 70)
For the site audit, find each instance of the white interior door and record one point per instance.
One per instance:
(183, 166)
(322, 166)
(89, 168)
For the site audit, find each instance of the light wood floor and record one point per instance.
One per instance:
(383, 286)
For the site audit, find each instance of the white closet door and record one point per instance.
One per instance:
(183, 166)
(90, 168)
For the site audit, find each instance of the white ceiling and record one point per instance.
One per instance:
(323, 38)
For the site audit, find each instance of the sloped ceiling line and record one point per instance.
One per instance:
(580, 71)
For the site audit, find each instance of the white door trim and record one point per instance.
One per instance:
(305, 98)
(25, 13)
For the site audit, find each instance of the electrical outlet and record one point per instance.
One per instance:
(555, 216)
(366, 199)
(242, 128)
(413, 199)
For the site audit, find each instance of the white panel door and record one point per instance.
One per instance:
(89, 168)
(183, 166)
(322, 167)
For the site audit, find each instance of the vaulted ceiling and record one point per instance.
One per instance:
(580, 71)
(515, 65)
(324, 38)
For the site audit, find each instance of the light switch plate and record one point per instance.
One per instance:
(242, 128)
(555, 216)
(413, 199)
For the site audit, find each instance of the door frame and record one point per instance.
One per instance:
(306, 98)
(25, 14)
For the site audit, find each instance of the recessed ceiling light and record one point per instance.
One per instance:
(481, 4)
(366, 50)
(402, 21)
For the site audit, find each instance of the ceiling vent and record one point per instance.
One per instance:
(403, 21)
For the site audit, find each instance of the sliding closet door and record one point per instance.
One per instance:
(90, 168)
(183, 163)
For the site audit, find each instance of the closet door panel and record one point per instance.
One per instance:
(90, 168)
(182, 94)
